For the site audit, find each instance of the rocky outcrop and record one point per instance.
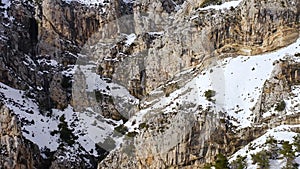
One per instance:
(276, 90)
(45, 37)
(252, 28)
(291, 72)
(165, 45)
(180, 141)
(16, 151)
(258, 28)
(42, 41)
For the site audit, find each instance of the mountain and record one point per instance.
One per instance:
(149, 84)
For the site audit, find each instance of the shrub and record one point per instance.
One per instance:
(297, 142)
(66, 82)
(143, 125)
(209, 94)
(207, 166)
(288, 153)
(280, 106)
(262, 159)
(271, 140)
(121, 129)
(131, 134)
(65, 134)
(99, 96)
(239, 163)
(221, 162)
(273, 148)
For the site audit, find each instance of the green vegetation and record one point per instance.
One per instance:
(271, 140)
(209, 94)
(262, 159)
(289, 155)
(280, 106)
(143, 125)
(38, 1)
(98, 95)
(131, 134)
(65, 134)
(207, 166)
(283, 4)
(66, 82)
(221, 162)
(273, 148)
(121, 129)
(239, 163)
(297, 142)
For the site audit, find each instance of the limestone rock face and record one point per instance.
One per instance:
(16, 152)
(181, 140)
(258, 28)
(45, 37)
(65, 26)
(276, 90)
(189, 37)
(58, 94)
(148, 43)
(252, 28)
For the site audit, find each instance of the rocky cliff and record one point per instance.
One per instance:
(149, 77)
(251, 28)
(16, 151)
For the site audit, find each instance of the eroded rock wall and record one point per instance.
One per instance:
(16, 151)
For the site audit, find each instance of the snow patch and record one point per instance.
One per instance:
(88, 2)
(225, 5)
(130, 39)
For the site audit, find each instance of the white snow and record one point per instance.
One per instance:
(87, 2)
(95, 82)
(280, 133)
(225, 5)
(7, 4)
(293, 101)
(130, 39)
(89, 126)
(27, 109)
(238, 83)
(128, 1)
(156, 33)
(49, 62)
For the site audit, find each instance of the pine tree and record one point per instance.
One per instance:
(221, 162)
(262, 159)
(297, 142)
(289, 154)
(239, 163)
(273, 148)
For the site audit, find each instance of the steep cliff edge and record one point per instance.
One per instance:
(188, 128)
(16, 151)
(161, 83)
(191, 35)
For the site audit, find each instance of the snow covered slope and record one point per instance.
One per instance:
(238, 83)
(280, 134)
(37, 126)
